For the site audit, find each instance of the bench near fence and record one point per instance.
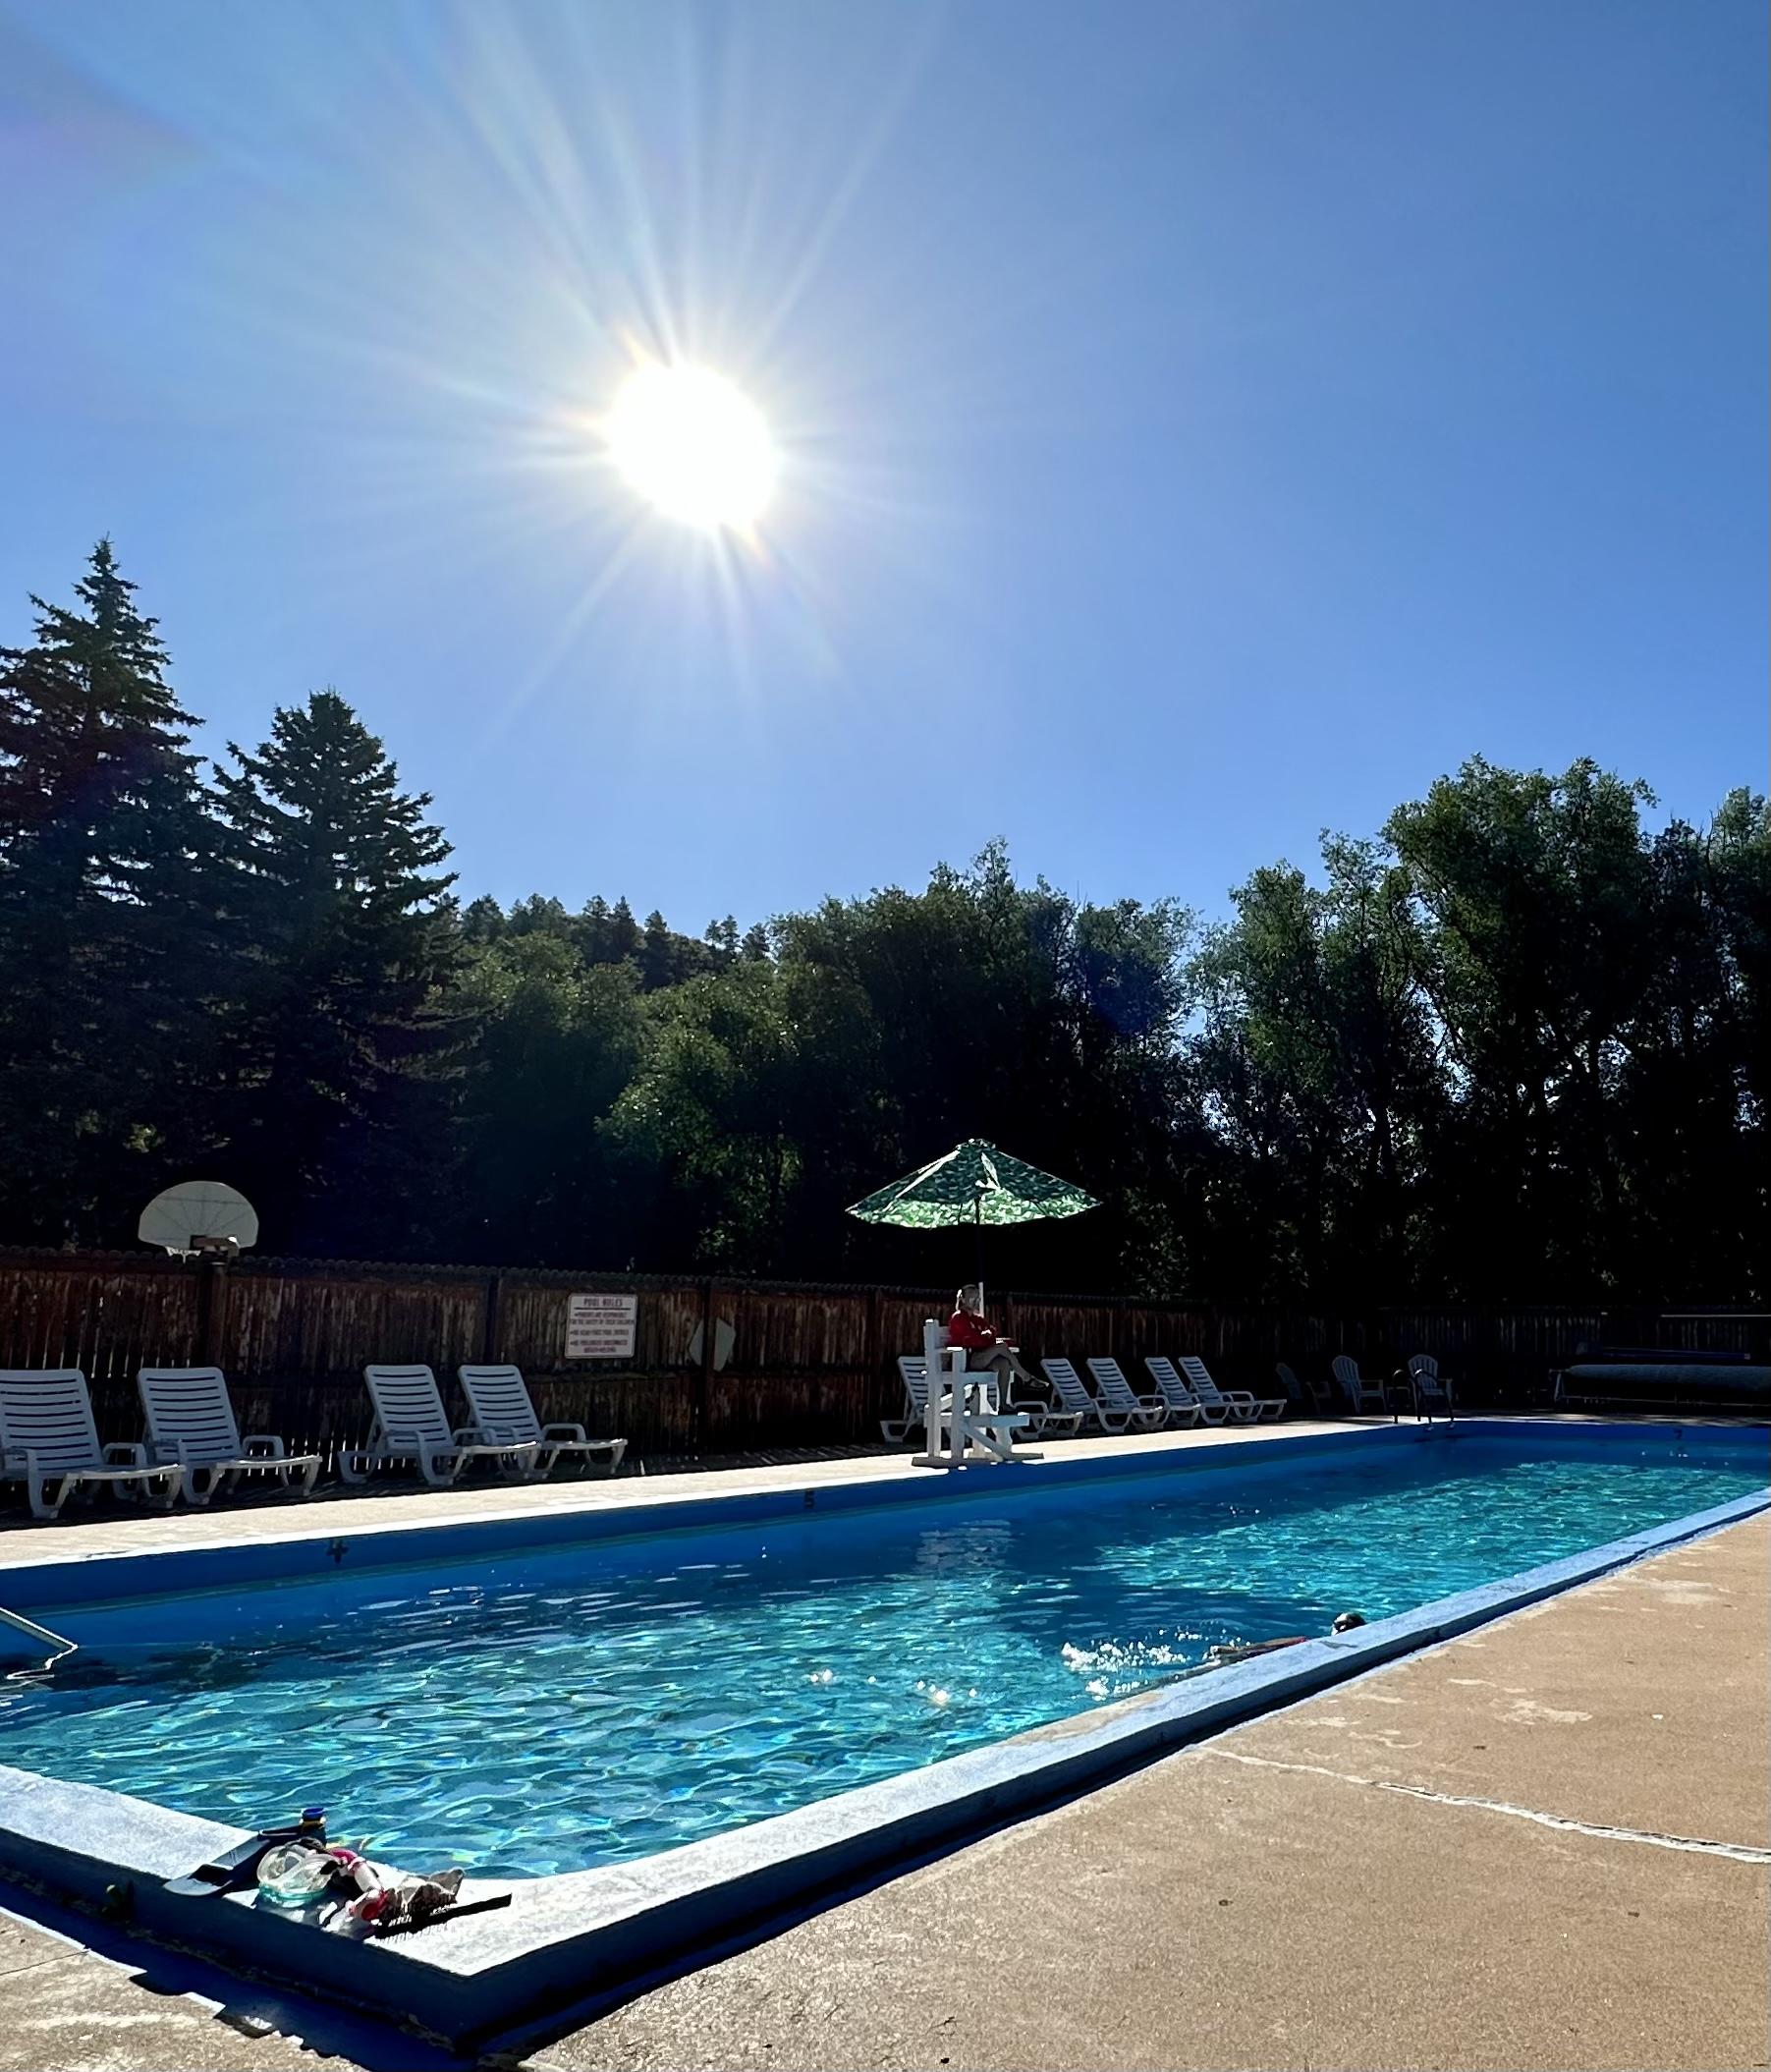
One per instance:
(1718, 1381)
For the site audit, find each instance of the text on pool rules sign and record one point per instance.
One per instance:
(600, 1326)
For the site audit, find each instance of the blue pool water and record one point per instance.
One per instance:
(554, 1709)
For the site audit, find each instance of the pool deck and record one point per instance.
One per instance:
(1547, 1843)
(110, 1528)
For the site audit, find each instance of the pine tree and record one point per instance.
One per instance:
(624, 932)
(107, 949)
(482, 920)
(340, 1050)
(657, 953)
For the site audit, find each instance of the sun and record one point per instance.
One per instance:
(693, 445)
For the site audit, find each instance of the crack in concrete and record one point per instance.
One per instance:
(1734, 1852)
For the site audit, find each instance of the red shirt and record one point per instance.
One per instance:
(973, 1332)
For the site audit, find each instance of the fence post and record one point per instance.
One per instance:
(489, 1331)
(703, 1393)
(869, 1353)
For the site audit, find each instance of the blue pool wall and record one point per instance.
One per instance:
(311, 1553)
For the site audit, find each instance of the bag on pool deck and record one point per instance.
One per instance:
(367, 1898)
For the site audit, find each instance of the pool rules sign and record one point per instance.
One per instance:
(600, 1326)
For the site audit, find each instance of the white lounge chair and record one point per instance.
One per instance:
(1172, 1386)
(1147, 1412)
(1072, 1392)
(1047, 1419)
(49, 1443)
(1362, 1394)
(912, 1372)
(1245, 1407)
(192, 1421)
(410, 1427)
(1430, 1391)
(504, 1415)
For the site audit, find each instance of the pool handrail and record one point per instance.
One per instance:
(1429, 1389)
(32, 1630)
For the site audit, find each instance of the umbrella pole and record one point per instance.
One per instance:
(977, 1226)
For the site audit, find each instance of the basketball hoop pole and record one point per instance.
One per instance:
(211, 1306)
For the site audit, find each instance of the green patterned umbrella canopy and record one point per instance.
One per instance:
(974, 1183)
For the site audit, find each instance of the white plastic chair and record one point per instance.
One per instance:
(1245, 1407)
(410, 1427)
(1362, 1394)
(1310, 1393)
(1147, 1412)
(190, 1421)
(48, 1440)
(1172, 1385)
(504, 1415)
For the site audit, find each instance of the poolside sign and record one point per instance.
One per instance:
(600, 1326)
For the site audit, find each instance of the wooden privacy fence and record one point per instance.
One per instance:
(719, 1365)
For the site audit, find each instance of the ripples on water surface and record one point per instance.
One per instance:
(553, 1709)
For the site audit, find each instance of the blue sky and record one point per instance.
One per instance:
(1201, 422)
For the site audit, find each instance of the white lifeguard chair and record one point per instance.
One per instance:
(963, 1421)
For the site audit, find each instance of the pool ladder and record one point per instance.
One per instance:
(32, 1630)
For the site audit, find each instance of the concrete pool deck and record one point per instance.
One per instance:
(109, 1527)
(1532, 1846)
(1543, 1844)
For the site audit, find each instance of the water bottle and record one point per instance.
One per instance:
(295, 1875)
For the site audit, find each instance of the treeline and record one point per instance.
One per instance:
(1515, 1047)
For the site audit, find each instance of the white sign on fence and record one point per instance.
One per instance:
(600, 1326)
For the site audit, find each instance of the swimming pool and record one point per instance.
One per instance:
(548, 1708)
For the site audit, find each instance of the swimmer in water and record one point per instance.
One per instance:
(1222, 1655)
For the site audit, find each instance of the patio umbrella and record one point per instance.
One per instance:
(974, 1183)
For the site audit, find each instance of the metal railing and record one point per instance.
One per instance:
(59, 1641)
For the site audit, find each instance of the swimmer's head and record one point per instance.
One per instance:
(1348, 1620)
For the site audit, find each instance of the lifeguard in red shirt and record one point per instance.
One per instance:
(985, 1351)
